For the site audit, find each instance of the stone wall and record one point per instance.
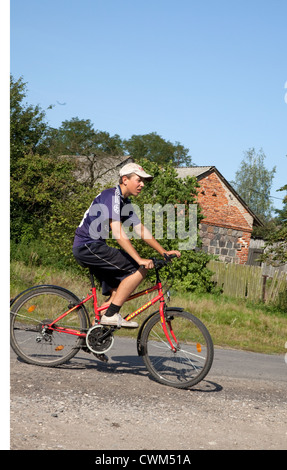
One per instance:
(227, 225)
(230, 245)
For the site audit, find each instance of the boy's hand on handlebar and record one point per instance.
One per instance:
(146, 263)
(172, 252)
(149, 263)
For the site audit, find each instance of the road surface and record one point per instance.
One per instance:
(89, 405)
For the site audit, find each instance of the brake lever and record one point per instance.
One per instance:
(168, 258)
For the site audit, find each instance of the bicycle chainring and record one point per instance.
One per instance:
(99, 339)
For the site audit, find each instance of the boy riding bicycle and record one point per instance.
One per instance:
(120, 271)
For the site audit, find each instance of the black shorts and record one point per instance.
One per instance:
(109, 265)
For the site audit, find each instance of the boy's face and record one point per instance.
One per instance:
(133, 185)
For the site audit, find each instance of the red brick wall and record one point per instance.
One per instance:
(242, 253)
(229, 224)
(219, 206)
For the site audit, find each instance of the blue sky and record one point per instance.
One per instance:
(211, 75)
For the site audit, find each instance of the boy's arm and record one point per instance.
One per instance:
(145, 235)
(125, 243)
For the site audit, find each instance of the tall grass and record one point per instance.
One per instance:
(240, 324)
(235, 323)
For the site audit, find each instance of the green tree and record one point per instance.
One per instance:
(253, 183)
(282, 213)
(36, 183)
(154, 148)
(36, 178)
(77, 137)
(27, 125)
(74, 137)
(276, 244)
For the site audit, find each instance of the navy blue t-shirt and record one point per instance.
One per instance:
(109, 204)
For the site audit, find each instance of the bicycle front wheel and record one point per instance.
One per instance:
(30, 337)
(193, 355)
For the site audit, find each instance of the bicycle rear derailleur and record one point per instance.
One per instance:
(99, 339)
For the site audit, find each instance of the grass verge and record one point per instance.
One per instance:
(232, 323)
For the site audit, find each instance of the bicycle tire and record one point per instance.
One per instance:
(29, 314)
(194, 355)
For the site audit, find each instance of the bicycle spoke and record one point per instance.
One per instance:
(184, 366)
(162, 341)
(32, 338)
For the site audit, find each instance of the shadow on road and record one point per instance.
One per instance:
(129, 364)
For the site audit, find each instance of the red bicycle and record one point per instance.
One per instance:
(50, 324)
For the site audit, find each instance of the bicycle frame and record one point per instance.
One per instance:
(41, 315)
(98, 310)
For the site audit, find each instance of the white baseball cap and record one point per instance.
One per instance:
(135, 168)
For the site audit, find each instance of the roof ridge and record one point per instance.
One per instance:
(194, 166)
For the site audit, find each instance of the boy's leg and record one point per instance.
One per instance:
(110, 299)
(107, 303)
(113, 268)
(127, 286)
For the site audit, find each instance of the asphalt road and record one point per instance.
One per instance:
(89, 405)
(227, 362)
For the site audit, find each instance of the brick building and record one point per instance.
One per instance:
(228, 221)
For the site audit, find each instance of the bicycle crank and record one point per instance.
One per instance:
(99, 339)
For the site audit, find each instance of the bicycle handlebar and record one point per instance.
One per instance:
(159, 263)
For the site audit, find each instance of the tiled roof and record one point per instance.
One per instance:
(200, 171)
(192, 171)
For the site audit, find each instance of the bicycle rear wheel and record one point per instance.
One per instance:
(193, 357)
(30, 337)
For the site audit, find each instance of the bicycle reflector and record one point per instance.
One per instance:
(59, 348)
(32, 308)
(198, 347)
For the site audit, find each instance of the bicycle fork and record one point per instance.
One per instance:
(167, 327)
